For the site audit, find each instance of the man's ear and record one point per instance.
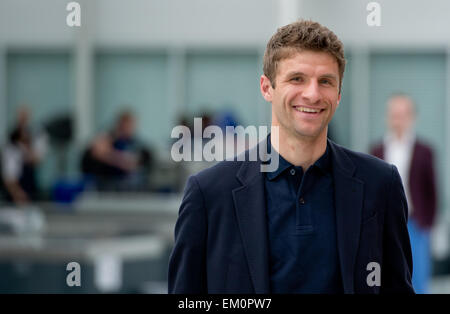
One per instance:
(338, 100)
(266, 88)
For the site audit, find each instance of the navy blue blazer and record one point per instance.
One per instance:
(221, 240)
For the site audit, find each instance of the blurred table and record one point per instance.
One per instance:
(121, 242)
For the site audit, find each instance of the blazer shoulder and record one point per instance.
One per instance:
(424, 147)
(376, 148)
(219, 176)
(369, 165)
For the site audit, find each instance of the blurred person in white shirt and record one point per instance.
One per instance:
(20, 156)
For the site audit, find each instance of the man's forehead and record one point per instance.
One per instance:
(400, 104)
(400, 101)
(319, 60)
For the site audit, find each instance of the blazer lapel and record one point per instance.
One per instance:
(250, 207)
(348, 199)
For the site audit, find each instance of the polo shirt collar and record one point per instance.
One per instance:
(323, 163)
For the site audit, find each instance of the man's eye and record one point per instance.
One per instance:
(297, 79)
(326, 82)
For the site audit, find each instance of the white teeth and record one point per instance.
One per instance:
(303, 109)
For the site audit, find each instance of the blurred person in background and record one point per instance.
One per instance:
(414, 160)
(187, 168)
(117, 160)
(20, 157)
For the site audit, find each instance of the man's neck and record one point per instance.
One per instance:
(402, 137)
(300, 151)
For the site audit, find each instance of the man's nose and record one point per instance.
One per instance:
(311, 92)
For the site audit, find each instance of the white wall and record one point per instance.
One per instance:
(140, 22)
(403, 22)
(218, 22)
(181, 22)
(30, 23)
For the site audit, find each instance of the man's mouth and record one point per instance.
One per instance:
(308, 110)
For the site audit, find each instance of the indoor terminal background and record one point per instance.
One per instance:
(165, 60)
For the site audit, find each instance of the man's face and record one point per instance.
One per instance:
(23, 116)
(306, 94)
(400, 114)
(127, 126)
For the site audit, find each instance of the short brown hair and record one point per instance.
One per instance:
(302, 35)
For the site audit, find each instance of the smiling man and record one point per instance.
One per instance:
(328, 220)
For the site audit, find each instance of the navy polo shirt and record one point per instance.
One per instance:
(302, 228)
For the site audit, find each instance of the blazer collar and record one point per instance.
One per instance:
(250, 207)
(348, 202)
